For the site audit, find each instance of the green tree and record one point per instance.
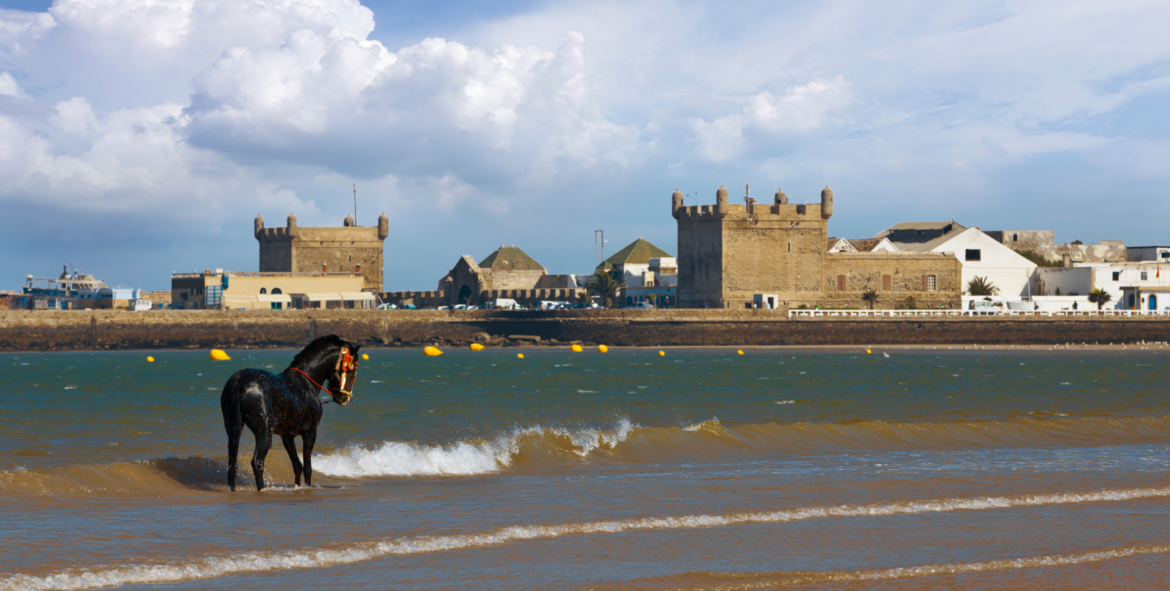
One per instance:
(870, 296)
(605, 285)
(909, 303)
(980, 286)
(1100, 297)
(583, 297)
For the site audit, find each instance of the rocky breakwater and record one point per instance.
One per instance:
(105, 329)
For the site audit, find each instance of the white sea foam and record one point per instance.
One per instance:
(212, 567)
(774, 580)
(394, 458)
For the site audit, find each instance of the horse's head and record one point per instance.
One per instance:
(344, 373)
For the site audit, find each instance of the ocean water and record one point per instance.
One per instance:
(697, 469)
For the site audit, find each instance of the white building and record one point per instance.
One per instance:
(1149, 253)
(1133, 285)
(980, 254)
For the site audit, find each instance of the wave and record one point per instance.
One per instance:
(536, 448)
(736, 581)
(395, 458)
(211, 567)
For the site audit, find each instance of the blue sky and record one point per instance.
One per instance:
(140, 137)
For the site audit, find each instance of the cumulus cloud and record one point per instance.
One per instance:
(546, 124)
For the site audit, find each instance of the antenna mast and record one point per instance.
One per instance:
(598, 247)
(355, 205)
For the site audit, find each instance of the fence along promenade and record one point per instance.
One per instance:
(919, 313)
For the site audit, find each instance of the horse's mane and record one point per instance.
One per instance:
(315, 348)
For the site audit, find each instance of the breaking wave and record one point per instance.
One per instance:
(395, 458)
(211, 567)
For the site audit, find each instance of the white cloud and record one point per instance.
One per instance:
(8, 85)
(214, 109)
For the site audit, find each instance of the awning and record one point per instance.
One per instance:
(277, 297)
(348, 297)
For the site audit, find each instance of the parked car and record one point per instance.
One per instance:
(642, 306)
(462, 307)
(388, 307)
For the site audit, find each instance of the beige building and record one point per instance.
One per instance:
(269, 291)
(508, 268)
(348, 249)
(731, 256)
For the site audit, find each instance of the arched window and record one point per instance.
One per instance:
(263, 291)
(276, 291)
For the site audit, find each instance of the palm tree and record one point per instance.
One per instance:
(583, 297)
(1100, 297)
(871, 296)
(980, 286)
(605, 285)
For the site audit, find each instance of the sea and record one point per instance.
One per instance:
(956, 467)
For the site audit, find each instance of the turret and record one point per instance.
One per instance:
(257, 226)
(721, 205)
(383, 226)
(826, 203)
(348, 223)
(676, 203)
(781, 198)
(292, 224)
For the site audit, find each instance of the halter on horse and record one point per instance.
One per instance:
(287, 404)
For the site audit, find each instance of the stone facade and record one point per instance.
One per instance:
(349, 249)
(1043, 243)
(729, 253)
(508, 268)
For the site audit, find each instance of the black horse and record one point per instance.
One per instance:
(286, 403)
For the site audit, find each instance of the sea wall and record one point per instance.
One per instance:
(179, 329)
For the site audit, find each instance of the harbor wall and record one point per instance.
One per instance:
(186, 329)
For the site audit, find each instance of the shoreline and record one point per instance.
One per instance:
(102, 330)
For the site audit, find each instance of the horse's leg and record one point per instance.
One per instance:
(290, 444)
(233, 424)
(233, 456)
(307, 441)
(263, 443)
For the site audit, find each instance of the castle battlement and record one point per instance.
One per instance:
(348, 249)
(761, 212)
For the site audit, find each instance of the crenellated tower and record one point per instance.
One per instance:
(728, 252)
(347, 249)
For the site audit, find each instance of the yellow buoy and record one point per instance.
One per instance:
(662, 353)
(219, 355)
(867, 351)
(476, 347)
(520, 356)
(150, 359)
(740, 351)
(365, 357)
(576, 348)
(432, 352)
(602, 348)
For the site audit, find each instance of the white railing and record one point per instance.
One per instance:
(920, 313)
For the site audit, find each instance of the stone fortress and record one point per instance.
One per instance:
(348, 249)
(734, 256)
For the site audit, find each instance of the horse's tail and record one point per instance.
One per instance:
(233, 423)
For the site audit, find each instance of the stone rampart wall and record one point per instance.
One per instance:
(101, 330)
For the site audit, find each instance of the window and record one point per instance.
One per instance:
(930, 282)
(263, 291)
(887, 282)
(1117, 275)
(276, 291)
(1015, 237)
(1143, 275)
(840, 283)
(973, 254)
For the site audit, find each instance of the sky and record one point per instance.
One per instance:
(141, 137)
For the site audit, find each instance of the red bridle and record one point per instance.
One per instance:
(345, 363)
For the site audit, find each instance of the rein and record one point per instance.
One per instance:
(315, 384)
